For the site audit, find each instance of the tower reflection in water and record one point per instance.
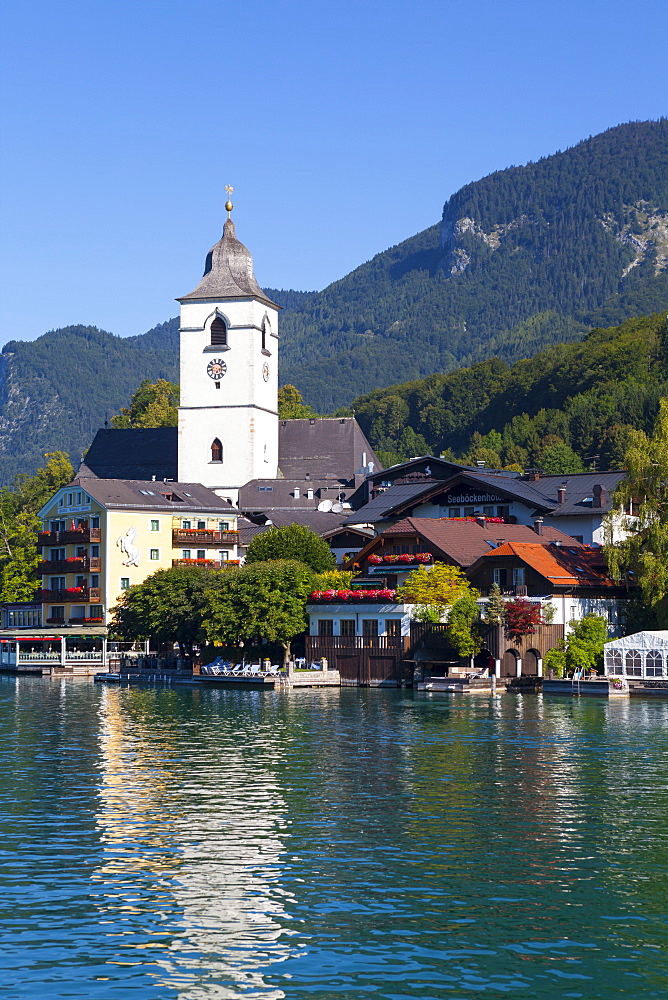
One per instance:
(189, 889)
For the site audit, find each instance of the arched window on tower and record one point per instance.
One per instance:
(218, 333)
(264, 336)
(216, 451)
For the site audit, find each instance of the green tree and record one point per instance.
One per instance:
(465, 628)
(555, 659)
(433, 590)
(584, 643)
(556, 458)
(292, 542)
(264, 599)
(168, 606)
(644, 553)
(19, 525)
(154, 404)
(336, 579)
(291, 406)
(495, 608)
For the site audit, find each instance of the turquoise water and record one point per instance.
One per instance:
(330, 844)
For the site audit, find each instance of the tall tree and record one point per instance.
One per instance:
(19, 525)
(644, 553)
(292, 542)
(465, 628)
(291, 406)
(265, 600)
(154, 404)
(168, 607)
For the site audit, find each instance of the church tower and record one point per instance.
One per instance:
(228, 414)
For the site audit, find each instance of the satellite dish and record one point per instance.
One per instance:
(337, 508)
(325, 505)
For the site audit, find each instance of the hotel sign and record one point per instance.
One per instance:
(471, 497)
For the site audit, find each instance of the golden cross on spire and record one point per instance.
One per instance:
(228, 204)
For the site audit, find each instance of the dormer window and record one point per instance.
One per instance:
(216, 451)
(218, 334)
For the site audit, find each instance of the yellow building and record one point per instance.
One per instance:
(101, 536)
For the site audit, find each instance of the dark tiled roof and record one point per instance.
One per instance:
(228, 272)
(278, 494)
(393, 498)
(138, 453)
(316, 520)
(463, 542)
(579, 491)
(140, 494)
(323, 446)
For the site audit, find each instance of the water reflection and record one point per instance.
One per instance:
(201, 835)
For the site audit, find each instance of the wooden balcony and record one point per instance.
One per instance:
(75, 564)
(73, 536)
(206, 563)
(193, 537)
(70, 595)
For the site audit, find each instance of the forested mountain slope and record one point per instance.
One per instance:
(526, 257)
(56, 391)
(554, 411)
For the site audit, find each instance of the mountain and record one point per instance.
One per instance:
(57, 391)
(523, 258)
(555, 411)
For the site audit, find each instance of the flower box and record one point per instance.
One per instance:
(352, 596)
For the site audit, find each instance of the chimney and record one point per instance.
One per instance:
(309, 494)
(538, 525)
(561, 493)
(532, 475)
(481, 520)
(295, 493)
(600, 496)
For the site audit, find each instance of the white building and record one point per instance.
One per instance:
(228, 413)
(643, 655)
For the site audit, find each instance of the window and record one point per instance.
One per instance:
(57, 554)
(57, 583)
(216, 451)
(347, 626)
(654, 663)
(186, 525)
(96, 611)
(155, 525)
(218, 333)
(392, 628)
(500, 576)
(518, 576)
(95, 551)
(265, 454)
(155, 554)
(633, 663)
(95, 522)
(185, 553)
(224, 555)
(61, 501)
(503, 511)
(57, 613)
(325, 626)
(370, 627)
(95, 580)
(469, 511)
(79, 500)
(453, 512)
(201, 553)
(264, 336)
(223, 526)
(488, 511)
(613, 662)
(201, 525)
(125, 583)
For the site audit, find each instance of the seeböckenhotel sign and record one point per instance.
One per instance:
(452, 498)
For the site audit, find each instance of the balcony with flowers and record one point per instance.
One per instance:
(404, 561)
(385, 595)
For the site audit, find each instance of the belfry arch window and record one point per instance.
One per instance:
(216, 451)
(265, 333)
(218, 333)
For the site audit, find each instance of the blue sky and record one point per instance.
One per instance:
(342, 127)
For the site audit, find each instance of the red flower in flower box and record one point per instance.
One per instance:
(316, 595)
(328, 595)
(360, 595)
(386, 594)
(390, 559)
(375, 560)
(423, 557)
(344, 595)
(405, 558)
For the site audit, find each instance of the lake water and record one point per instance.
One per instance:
(330, 844)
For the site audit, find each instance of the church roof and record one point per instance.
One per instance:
(132, 453)
(324, 448)
(228, 272)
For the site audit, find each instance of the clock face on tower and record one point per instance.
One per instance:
(216, 369)
(265, 372)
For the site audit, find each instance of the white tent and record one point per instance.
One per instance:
(643, 654)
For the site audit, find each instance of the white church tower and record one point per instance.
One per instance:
(228, 415)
